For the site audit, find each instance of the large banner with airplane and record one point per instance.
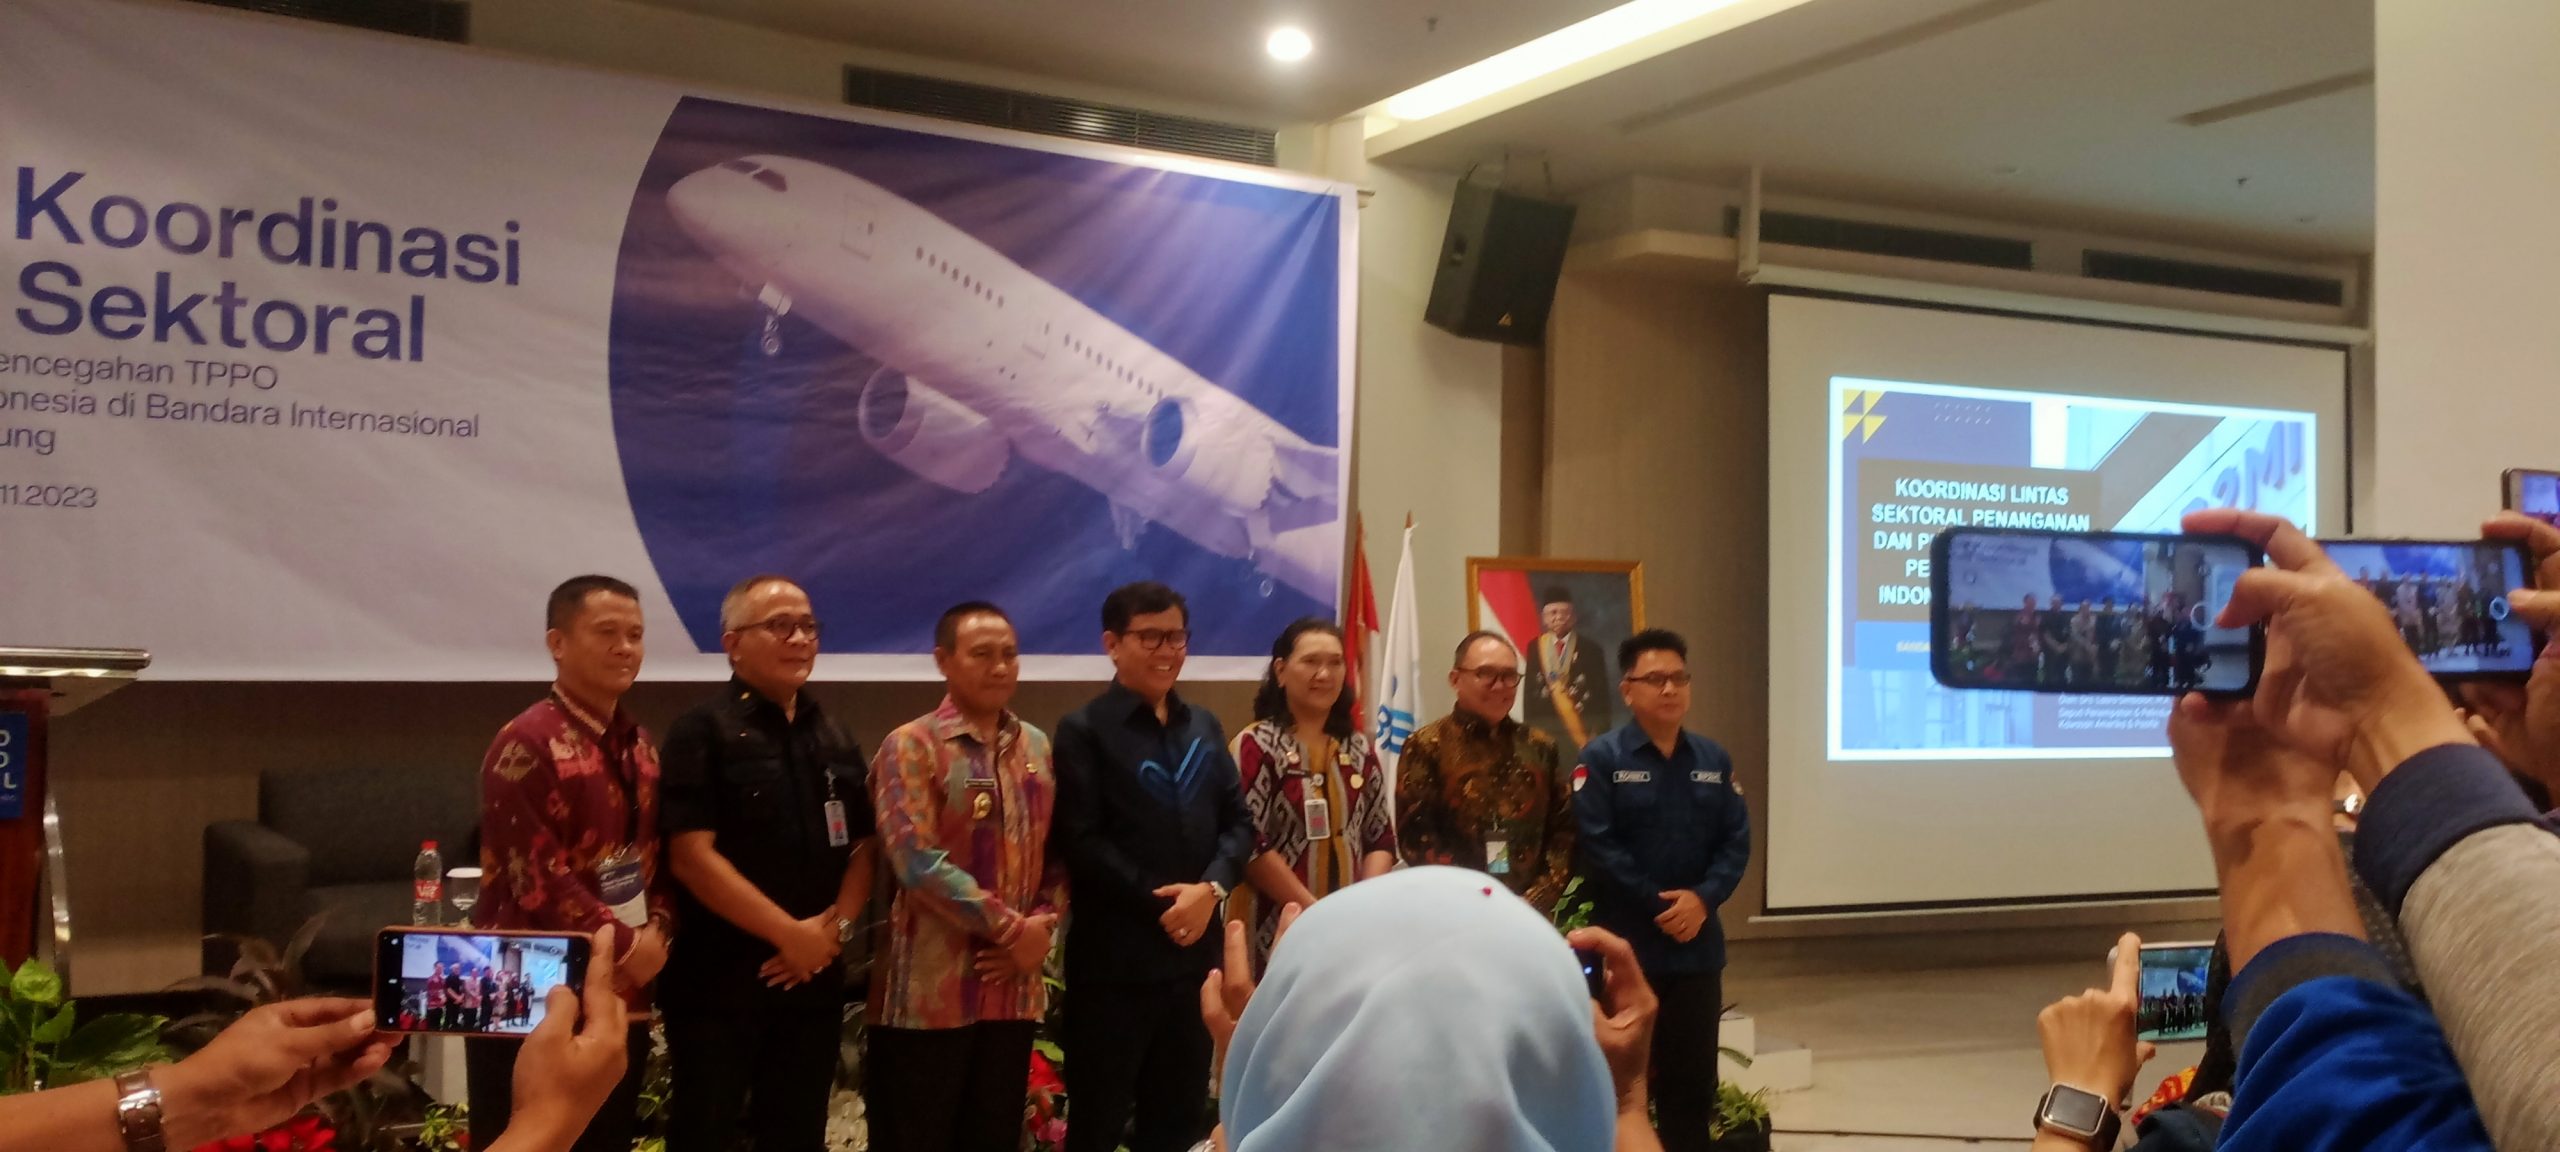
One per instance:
(327, 354)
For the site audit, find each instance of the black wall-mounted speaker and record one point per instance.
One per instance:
(1498, 265)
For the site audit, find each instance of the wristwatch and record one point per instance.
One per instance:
(138, 1112)
(2079, 1114)
(844, 929)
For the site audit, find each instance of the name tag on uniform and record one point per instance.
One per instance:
(1497, 857)
(1631, 776)
(1319, 819)
(1704, 777)
(620, 885)
(837, 836)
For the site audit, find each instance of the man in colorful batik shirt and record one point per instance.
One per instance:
(569, 838)
(964, 796)
(1478, 789)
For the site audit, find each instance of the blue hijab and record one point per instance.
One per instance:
(1426, 1009)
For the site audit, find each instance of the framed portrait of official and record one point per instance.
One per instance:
(1567, 618)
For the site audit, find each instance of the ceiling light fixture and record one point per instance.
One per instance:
(1562, 48)
(1289, 45)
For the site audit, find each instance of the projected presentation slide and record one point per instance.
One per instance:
(1911, 459)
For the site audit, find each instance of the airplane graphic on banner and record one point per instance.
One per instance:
(983, 360)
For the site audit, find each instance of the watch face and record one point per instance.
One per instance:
(2074, 1109)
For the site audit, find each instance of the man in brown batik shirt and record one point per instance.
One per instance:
(1478, 789)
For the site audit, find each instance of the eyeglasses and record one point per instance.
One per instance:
(1662, 681)
(1151, 639)
(1494, 677)
(785, 628)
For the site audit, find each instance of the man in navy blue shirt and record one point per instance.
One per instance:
(1152, 820)
(1664, 839)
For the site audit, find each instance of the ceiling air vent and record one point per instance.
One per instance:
(1056, 116)
(1808, 231)
(432, 19)
(2132, 269)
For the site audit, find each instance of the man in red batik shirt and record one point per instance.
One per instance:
(569, 838)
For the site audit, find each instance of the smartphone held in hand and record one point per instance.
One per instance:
(2535, 493)
(471, 982)
(2092, 613)
(2171, 1005)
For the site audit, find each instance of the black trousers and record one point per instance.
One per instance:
(947, 1089)
(1135, 1051)
(489, 1073)
(752, 1059)
(1682, 1080)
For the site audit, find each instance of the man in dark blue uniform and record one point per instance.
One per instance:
(1664, 840)
(1152, 823)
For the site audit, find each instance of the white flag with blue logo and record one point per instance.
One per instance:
(1400, 672)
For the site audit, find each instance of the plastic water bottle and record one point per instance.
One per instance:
(426, 901)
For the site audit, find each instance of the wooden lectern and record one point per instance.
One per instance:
(37, 684)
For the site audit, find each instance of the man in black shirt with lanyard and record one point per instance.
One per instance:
(763, 801)
(1152, 822)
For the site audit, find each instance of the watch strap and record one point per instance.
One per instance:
(138, 1112)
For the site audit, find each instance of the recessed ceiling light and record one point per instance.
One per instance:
(1289, 44)
(1617, 28)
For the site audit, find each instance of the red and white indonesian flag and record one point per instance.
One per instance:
(1507, 606)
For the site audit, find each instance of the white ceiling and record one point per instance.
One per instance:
(2056, 112)
(2051, 112)
(1204, 51)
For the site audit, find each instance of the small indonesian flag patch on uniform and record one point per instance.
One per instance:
(1580, 774)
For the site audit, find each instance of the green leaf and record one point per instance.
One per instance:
(16, 1020)
(114, 1043)
(35, 983)
(57, 1029)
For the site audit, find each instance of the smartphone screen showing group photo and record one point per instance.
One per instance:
(2171, 1006)
(2106, 613)
(471, 983)
(2449, 599)
(2534, 493)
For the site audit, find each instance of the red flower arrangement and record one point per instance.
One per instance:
(309, 1132)
(1044, 1106)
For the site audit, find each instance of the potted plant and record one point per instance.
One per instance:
(1742, 1119)
(43, 1043)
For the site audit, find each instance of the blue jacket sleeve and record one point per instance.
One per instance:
(1733, 849)
(1605, 857)
(1237, 836)
(2346, 1063)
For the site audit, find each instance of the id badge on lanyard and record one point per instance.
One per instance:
(622, 887)
(1319, 816)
